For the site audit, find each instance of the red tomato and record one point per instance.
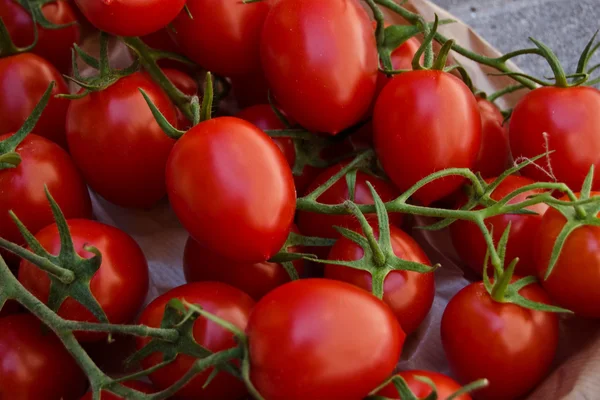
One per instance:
(401, 59)
(299, 333)
(35, 365)
(494, 154)
(409, 294)
(426, 121)
(10, 307)
(326, 80)
(223, 36)
(162, 40)
(570, 118)
(188, 86)
(511, 346)
(123, 159)
(22, 188)
(573, 282)
(53, 44)
(130, 18)
(17, 100)
(229, 183)
(445, 386)
(470, 244)
(222, 300)
(120, 285)
(137, 385)
(201, 264)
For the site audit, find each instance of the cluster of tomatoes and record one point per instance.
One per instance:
(270, 191)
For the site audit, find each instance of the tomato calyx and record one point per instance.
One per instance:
(34, 8)
(7, 46)
(407, 394)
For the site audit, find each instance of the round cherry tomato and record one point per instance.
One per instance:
(17, 100)
(188, 86)
(401, 59)
(34, 364)
(494, 154)
(574, 279)
(130, 18)
(123, 158)
(222, 300)
(120, 285)
(201, 264)
(327, 78)
(53, 44)
(509, 345)
(229, 183)
(445, 386)
(299, 333)
(223, 36)
(470, 244)
(137, 385)
(426, 121)
(409, 294)
(571, 121)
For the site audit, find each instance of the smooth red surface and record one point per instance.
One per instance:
(232, 189)
(130, 17)
(570, 118)
(117, 144)
(219, 299)
(120, 285)
(320, 59)
(470, 244)
(401, 59)
(494, 153)
(426, 121)
(137, 385)
(511, 346)
(409, 294)
(445, 386)
(162, 40)
(224, 36)
(23, 80)
(305, 342)
(34, 364)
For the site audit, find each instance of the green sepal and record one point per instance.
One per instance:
(164, 124)
(34, 9)
(207, 99)
(7, 46)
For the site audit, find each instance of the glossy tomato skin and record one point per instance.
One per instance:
(409, 294)
(445, 386)
(222, 300)
(124, 158)
(35, 365)
(401, 59)
(498, 341)
(426, 121)
(120, 285)
(229, 183)
(470, 244)
(327, 79)
(18, 101)
(223, 36)
(574, 279)
(494, 153)
(115, 17)
(188, 86)
(258, 279)
(571, 120)
(137, 385)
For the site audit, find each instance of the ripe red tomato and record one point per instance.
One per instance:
(35, 365)
(222, 300)
(223, 36)
(229, 183)
(117, 17)
(494, 154)
(426, 121)
(10, 307)
(401, 59)
(137, 385)
(123, 159)
(326, 80)
(17, 100)
(572, 283)
(120, 285)
(188, 86)
(409, 294)
(511, 346)
(299, 333)
(445, 386)
(201, 264)
(53, 44)
(470, 244)
(570, 118)
(162, 40)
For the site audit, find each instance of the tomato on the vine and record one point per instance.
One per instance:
(445, 386)
(426, 121)
(123, 159)
(494, 153)
(232, 189)
(219, 299)
(401, 58)
(188, 86)
(120, 285)
(35, 365)
(137, 385)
